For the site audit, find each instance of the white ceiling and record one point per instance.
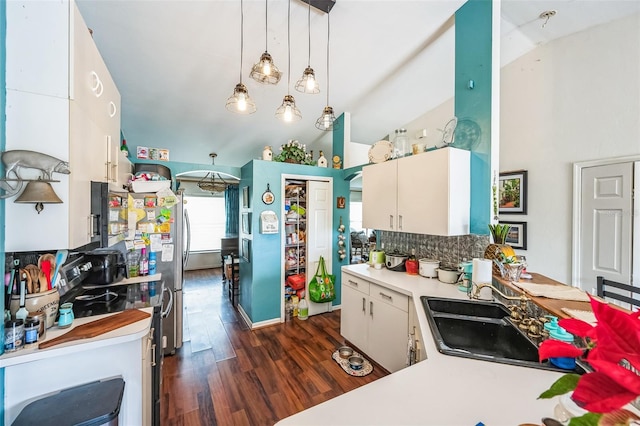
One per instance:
(176, 62)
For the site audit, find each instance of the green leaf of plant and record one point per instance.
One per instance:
(564, 384)
(589, 419)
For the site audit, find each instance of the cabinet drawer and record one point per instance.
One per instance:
(389, 297)
(355, 283)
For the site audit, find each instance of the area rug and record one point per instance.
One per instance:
(367, 368)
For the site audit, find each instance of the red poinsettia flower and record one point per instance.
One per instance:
(556, 349)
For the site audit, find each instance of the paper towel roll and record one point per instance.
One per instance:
(482, 274)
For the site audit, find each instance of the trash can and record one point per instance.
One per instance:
(91, 404)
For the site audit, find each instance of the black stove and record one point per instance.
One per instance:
(98, 301)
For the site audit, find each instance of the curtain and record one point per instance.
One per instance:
(232, 207)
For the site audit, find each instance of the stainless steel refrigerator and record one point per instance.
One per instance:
(170, 261)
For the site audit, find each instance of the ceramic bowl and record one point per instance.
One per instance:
(345, 352)
(356, 362)
(46, 302)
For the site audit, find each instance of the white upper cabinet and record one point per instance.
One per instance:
(424, 194)
(61, 101)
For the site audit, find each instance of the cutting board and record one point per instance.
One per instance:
(98, 327)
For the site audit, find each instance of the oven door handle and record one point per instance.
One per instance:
(166, 311)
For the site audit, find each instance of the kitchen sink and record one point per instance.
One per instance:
(482, 330)
(467, 307)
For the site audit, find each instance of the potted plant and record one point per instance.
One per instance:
(294, 152)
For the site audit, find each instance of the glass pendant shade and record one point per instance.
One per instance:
(326, 120)
(308, 82)
(288, 111)
(240, 102)
(265, 71)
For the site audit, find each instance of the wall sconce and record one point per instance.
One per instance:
(39, 192)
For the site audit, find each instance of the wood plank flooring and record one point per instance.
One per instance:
(226, 374)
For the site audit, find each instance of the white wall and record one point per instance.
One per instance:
(575, 99)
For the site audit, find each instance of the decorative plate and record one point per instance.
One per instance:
(267, 196)
(380, 152)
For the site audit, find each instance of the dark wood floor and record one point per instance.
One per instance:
(226, 374)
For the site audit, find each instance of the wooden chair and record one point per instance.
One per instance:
(357, 244)
(602, 291)
(234, 280)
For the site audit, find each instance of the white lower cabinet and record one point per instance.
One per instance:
(420, 353)
(375, 319)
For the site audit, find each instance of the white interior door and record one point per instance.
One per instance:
(319, 231)
(607, 222)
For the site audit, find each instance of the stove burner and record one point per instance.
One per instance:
(99, 301)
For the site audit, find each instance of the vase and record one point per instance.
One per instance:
(494, 251)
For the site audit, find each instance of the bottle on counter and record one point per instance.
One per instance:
(303, 309)
(152, 263)
(124, 148)
(144, 262)
(133, 263)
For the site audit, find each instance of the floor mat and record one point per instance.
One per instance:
(367, 368)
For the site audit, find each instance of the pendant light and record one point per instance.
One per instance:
(308, 82)
(240, 102)
(328, 118)
(265, 71)
(288, 111)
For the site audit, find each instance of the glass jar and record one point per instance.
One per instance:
(401, 144)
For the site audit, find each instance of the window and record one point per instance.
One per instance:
(207, 218)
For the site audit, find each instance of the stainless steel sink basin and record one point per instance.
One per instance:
(483, 331)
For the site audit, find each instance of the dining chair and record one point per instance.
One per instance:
(603, 289)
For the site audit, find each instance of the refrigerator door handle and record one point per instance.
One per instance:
(166, 311)
(185, 258)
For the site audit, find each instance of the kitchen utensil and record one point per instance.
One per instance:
(61, 258)
(98, 327)
(395, 261)
(22, 313)
(428, 267)
(46, 270)
(448, 275)
(34, 274)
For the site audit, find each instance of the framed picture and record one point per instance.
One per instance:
(246, 223)
(517, 236)
(245, 197)
(512, 198)
(246, 249)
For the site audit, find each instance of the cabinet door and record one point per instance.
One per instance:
(38, 47)
(433, 192)
(379, 200)
(319, 232)
(388, 336)
(353, 315)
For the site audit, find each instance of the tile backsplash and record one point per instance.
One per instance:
(449, 250)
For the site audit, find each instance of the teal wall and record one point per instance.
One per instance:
(260, 279)
(473, 62)
(3, 91)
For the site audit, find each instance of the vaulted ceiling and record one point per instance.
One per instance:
(176, 62)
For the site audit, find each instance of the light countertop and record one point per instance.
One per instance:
(131, 332)
(441, 390)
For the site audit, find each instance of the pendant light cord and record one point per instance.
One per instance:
(289, 48)
(241, 37)
(309, 27)
(328, 39)
(266, 23)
